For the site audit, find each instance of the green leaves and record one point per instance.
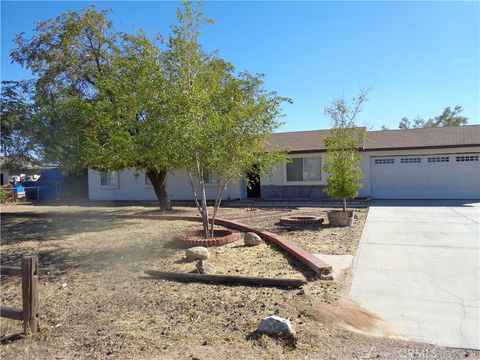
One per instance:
(449, 117)
(343, 158)
(110, 100)
(225, 116)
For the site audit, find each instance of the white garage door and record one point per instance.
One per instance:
(445, 176)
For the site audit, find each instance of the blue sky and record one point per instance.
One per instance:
(419, 57)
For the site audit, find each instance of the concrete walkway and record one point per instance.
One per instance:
(418, 266)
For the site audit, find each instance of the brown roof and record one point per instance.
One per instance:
(309, 141)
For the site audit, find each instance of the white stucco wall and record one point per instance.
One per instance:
(279, 176)
(130, 187)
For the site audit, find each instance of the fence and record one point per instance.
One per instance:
(39, 193)
(29, 313)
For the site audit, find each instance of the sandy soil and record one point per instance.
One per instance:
(97, 303)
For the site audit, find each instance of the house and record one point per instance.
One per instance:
(430, 163)
(13, 167)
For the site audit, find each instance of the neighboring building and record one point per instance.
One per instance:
(431, 163)
(9, 168)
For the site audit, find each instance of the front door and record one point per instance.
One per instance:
(253, 189)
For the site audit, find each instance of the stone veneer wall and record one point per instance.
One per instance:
(293, 192)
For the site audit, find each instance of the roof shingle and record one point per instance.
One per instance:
(309, 141)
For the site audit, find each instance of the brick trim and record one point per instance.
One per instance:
(221, 237)
(301, 220)
(320, 267)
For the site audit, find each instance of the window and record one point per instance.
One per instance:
(410, 160)
(304, 169)
(384, 161)
(209, 178)
(467, 158)
(147, 180)
(437, 159)
(312, 169)
(109, 179)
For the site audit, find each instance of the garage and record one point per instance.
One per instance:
(436, 176)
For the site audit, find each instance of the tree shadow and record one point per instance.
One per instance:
(280, 228)
(18, 229)
(11, 338)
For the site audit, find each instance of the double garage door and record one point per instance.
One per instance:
(443, 176)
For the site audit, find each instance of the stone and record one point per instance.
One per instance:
(205, 268)
(252, 239)
(197, 253)
(275, 325)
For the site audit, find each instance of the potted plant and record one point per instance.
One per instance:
(343, 158)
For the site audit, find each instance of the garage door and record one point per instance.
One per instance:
(443, 176)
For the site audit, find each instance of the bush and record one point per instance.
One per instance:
(3, 195)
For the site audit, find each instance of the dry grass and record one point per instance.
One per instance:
(96, 302)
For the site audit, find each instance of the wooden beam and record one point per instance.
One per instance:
(10, 313)
(226, 279)
(30, 294)
(10, 270)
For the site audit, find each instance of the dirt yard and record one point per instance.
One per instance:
(96, 301)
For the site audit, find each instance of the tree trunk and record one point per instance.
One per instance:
(157, 178)
(344, 205)
(204, 210)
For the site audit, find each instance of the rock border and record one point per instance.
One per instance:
(225, 237)
(301, 220)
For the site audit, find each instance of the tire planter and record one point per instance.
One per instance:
(340, 218)
(301, 220)
(220, 237)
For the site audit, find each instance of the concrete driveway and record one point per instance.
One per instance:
(418, 268)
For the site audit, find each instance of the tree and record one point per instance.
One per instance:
(404, 123)
(227, 117)
(100, 97)
(343, 158)
(449, 117)
(17, 134)
(134, 126)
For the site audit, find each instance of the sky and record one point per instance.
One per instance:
(416, 57)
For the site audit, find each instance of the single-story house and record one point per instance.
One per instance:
(430, 163)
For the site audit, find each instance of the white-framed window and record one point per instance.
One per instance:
(305, 169)
(146, 180)
(467, 158)
(109, 179)
(438, 159)
(209, 178)
(384, 161)
(412, 160)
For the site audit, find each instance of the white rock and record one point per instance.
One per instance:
(252, 239)
(197, 253)
(275, 325)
